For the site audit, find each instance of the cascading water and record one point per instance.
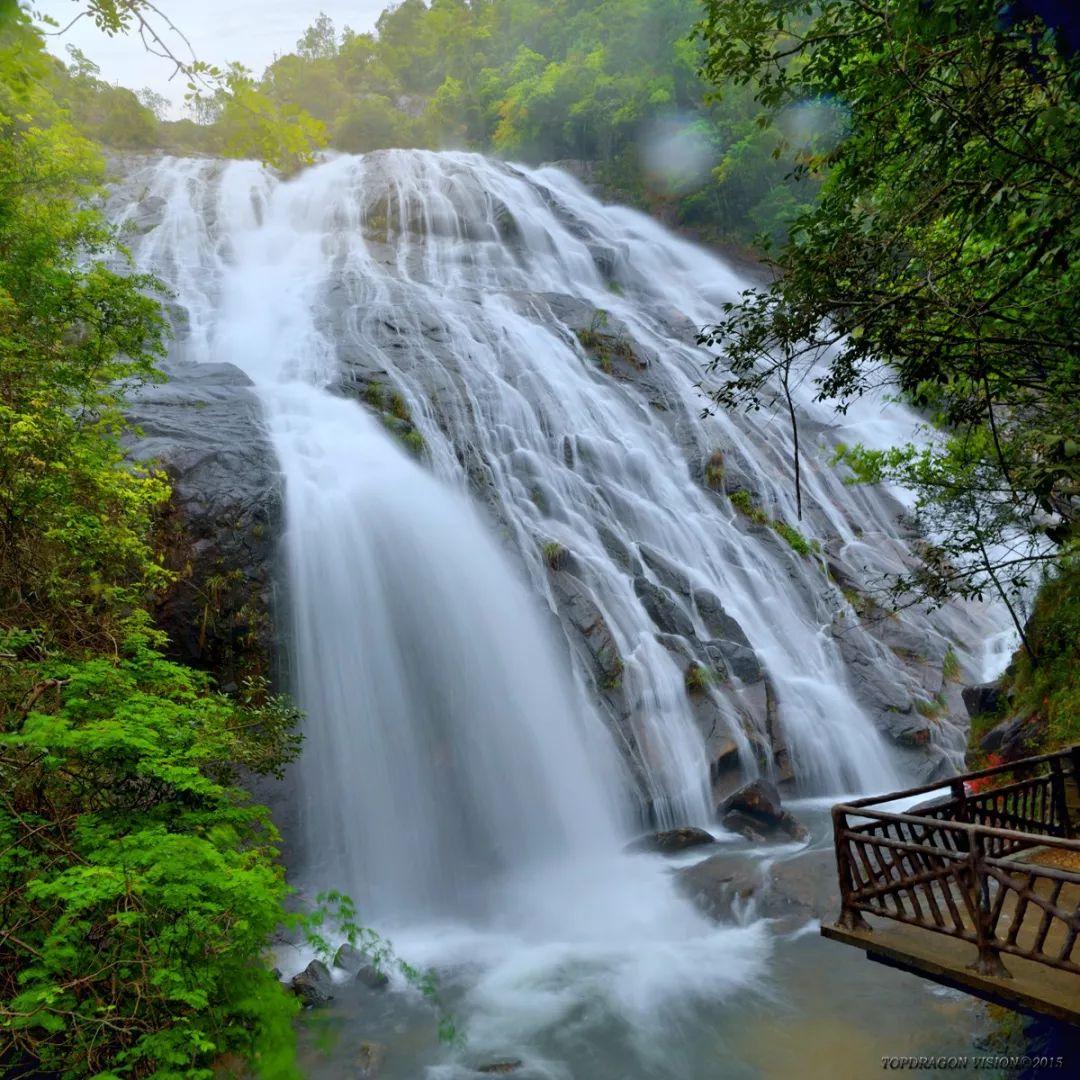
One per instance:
(457, 764)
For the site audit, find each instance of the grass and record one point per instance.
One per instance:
(614, 679)
(414, 441)
(699, 678)
(399, 407)
(950, 666)
(603, 346)
(744, 503)
(554, 554)
(931, 710)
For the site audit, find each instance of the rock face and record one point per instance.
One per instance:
(461, 376)
(204, 428)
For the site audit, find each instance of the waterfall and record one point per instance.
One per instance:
(540, 348)
(524, 605)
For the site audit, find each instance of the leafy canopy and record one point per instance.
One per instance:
(940, 258)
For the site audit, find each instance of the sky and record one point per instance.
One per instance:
(251, 31)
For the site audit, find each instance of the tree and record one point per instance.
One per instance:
(157, 103)
(319, 41)
(940, 259)
(283, 135)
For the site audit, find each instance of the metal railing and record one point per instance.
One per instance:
(949, 866)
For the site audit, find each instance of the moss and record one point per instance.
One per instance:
(615, 673)
(744, 503)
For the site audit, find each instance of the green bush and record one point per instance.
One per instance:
(140, 885)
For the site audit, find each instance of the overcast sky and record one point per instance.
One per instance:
(251, 31)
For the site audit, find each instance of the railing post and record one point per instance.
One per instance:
(959, 794)
(989, 960)
(1060, 797)
(850, 916)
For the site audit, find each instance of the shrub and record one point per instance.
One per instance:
(140, 885)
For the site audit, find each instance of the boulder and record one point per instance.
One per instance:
(982, 699)
(1015, 737)
(672, 840)
(749, 828)
(583, 614)
(499, 1068)
(759, 798)
(755, 812)
(360, 967)
(314, 985)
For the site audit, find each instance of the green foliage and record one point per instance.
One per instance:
(139, 883)
(943, 245)
(743, 501)
(604, 83)
(339, 911)
(1049, 690)
(794, 539)
(950, 666)
(246, 121)
(554, 554)
(699, 678)
(74, 333)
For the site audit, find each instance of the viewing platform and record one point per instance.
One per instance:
(978, 890)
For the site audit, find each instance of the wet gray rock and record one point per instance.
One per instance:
(204, 428)
(755, 811)
(803, 886)
(314, 985)
(360, 966)
(759, 797)
(717, 885)
(672, 840)
(744, 825)
(578, 606)
(663, 608)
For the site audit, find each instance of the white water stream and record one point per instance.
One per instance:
(458, 777)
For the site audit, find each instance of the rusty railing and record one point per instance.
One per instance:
(950, 866)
